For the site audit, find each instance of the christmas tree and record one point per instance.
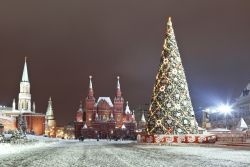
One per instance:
(171, 110)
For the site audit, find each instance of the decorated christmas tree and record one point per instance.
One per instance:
(171, 110)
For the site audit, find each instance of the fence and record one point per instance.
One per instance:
(231, 137)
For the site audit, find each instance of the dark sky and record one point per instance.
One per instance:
(66, 41)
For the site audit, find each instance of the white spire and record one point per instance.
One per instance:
(96, 116)
(127, 110)
(242, 124)
(24, 97)
(90, 82)
(133, 115)
(118, 82)
(34, 107)
(85, 126)
(111, 116)
(123, 126)
(14, 105)
(25, 77)
(143, 117)
(80, 107)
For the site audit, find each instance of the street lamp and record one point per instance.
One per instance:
(225, 109)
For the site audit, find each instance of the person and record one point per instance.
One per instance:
(98, 137)
(138, 138)
(81, 138)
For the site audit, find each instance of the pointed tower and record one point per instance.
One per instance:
(142, 122)
(128, 113)
(133, 116)
(111, 116)
(171, 110)
(90, 104)
(79, 113)
(118, 104)
(50, 118)
(14, 105)
(24, 101)
(143, 117)
(127, 109)
(34, 107)
(96, 116)
(241, 125)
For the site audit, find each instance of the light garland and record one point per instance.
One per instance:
(171, 110)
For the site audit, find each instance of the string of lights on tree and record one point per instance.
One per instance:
(171, 110)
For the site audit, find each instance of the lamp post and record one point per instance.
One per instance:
(1, 128)
(225, 109)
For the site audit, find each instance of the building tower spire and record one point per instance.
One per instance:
(25, 77)
(79, 113)
(50, 112)
(50, 120)
(118, 104)
(143, 117)
(34, 107)
(118, 88)
(90, 82)
(171, 110)
(91, 91)
(127, 109)
(80, 107)
(24, 100)
(14, 105)
(89, 105)
(133, 115)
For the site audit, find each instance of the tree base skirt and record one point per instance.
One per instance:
(168, 139)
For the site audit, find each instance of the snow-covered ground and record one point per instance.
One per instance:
(91, 153)
(6, 148)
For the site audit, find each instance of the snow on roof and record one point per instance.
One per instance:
(7, 118)
(107, 99)
(143, 117)
(123, 126)
(242, 124)
(5, 108)
(127, 110)
(85, 126)
(80, 108)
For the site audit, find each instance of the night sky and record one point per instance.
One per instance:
(66, 41)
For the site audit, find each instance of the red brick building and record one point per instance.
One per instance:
(103, 117)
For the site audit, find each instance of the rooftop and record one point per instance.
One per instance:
(107, 99)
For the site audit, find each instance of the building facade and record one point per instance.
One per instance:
(104, 118)
(241, 107)
(8, 115)
(240, 110)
